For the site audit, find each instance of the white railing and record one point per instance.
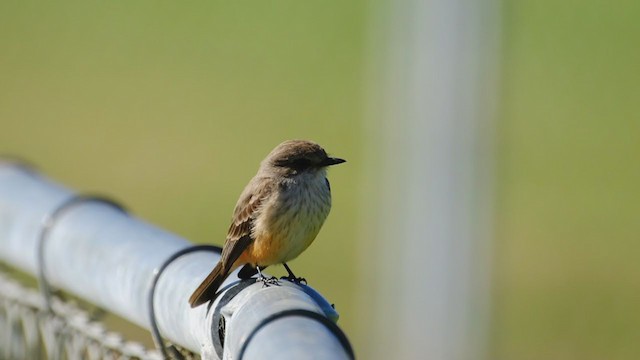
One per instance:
(95, 250)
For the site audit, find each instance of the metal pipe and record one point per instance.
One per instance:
(108, 257)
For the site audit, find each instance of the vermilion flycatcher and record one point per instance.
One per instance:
(277, 216)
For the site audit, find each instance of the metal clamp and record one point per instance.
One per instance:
(331, 326)
(219, 321)
(155, 331)
(47, 225)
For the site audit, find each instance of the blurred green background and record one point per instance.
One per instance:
(170, 106)
(567, 263)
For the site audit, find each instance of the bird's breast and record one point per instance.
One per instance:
(290, 220)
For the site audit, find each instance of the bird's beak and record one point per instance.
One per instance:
(332, 161)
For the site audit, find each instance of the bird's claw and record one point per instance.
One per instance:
(268, 281)
(293, 279)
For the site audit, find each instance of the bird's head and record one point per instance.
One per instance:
(294, 157)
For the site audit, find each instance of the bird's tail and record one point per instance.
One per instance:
(207, 290)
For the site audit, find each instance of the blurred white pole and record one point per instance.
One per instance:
(427, 223)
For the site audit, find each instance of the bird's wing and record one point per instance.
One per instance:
(239, 234)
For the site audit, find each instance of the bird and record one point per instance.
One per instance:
(277, 216)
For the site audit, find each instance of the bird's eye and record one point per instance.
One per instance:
(300, 163)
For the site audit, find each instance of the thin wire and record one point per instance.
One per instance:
(330, 325)
(155, 331)
(47, 225)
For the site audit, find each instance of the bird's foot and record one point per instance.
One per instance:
(268, 280)
(293, 279)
